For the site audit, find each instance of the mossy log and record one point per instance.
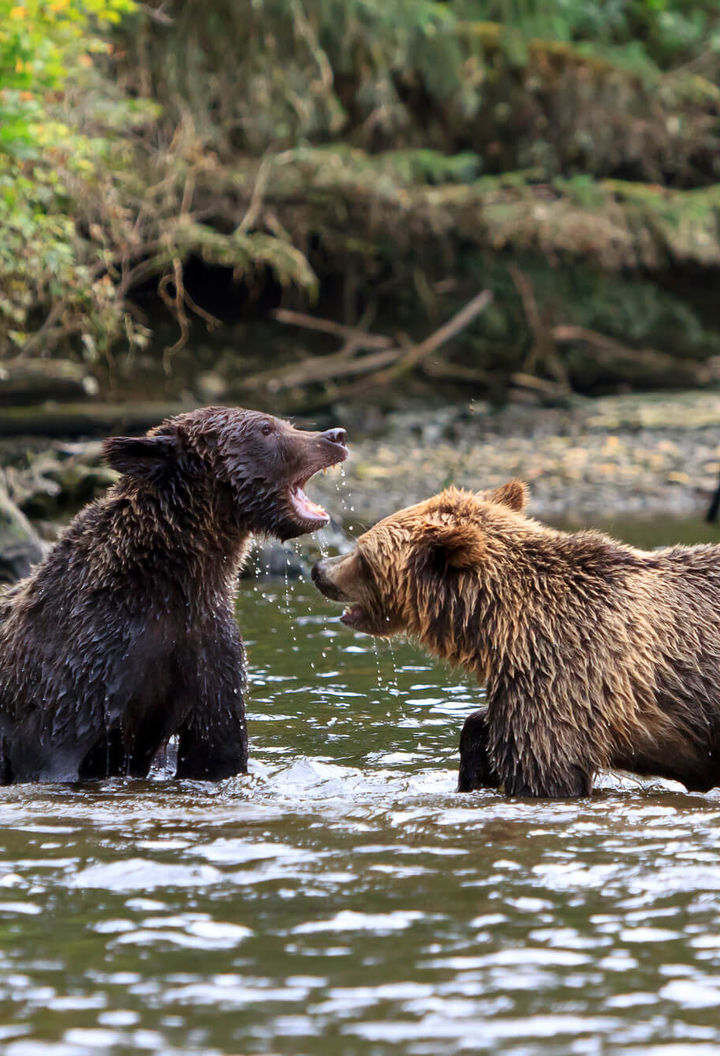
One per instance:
(85, 419)
(28, 380)
(357, 207)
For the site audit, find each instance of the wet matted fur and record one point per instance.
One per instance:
(594, 654)
(125, 634)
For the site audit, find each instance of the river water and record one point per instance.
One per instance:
(343, 899)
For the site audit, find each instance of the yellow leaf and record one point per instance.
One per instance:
(18, 12)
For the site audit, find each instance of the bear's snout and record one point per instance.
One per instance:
(321, 578)
(336, 436)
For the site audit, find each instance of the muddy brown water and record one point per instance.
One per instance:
(343, 899)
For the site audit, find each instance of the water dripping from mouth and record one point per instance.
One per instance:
(384, 649)
(378, 662)
(323, 547)
(287, 585)
(393, 681)
(345, 503)
(288, 607)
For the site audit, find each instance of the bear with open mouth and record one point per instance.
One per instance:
(125, 634)
(594, 654)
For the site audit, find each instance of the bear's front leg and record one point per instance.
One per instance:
(539, 752)
(212, 741)
(212, 744)
(567, 782)
(476, 770)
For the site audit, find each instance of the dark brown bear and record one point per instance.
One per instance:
(594, 654)
(124, 635)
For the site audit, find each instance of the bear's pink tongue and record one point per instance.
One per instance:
(305, 508)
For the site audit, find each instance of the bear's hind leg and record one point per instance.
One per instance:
(475, 768)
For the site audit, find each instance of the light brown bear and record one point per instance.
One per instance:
(594, 654)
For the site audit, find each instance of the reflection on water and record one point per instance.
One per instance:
(343, 899)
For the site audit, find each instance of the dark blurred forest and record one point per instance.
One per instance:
(296, 200)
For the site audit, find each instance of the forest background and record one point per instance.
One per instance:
(177, 179)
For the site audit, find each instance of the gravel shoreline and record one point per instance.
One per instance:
(620, 456)
(610, 457)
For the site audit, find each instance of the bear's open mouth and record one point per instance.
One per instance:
(307, 511)
(308, 514)
(353, 616)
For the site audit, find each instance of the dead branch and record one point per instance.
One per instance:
(456, 372)
(41, 334)
(536, 384)
(389, 359)
(157, 14)
(353, 336)
(320, 369)
(212, 321)
(256, 198)
(176, 304)
(543, 348)
(416, 354)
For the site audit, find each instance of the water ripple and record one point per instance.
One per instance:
(343, 898)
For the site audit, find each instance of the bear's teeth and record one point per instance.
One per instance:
(305, 507)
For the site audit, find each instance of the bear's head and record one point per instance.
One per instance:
(422, 570)
(244, 469)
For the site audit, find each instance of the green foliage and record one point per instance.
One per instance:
(277, 73)
(661, 32)
(331, 138)
(51, 156)
(518, 83)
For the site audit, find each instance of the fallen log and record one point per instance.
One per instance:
(30, 380)
(91, 419)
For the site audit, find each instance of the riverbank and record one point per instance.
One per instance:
(619, 456)
(593, 462)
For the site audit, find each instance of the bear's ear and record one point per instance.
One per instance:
(515, 495)
(457, 545)
(142, 457)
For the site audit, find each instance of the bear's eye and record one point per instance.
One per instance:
(266, 429)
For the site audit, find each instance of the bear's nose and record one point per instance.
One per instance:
(335, 436)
